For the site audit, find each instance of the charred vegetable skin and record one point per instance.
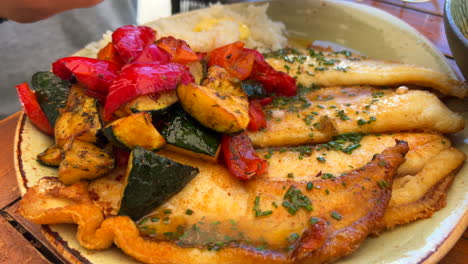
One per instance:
(157, 105)
(51, 157)
(51, 93)
(151, 180)
(184, 134)
(240, 157)
(134, 130)
(219, 103)
(143, 78)
(83, 161)
(80, 119)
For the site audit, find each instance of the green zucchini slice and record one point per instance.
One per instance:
(150, 181)
(156, 107)
(51, 93)
(51, 157)
(134, 130)
(185, 135)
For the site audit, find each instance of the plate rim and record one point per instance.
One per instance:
(68, 253)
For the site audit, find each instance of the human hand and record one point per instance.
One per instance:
(27, 11)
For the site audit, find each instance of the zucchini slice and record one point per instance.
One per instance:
(51, 93)
(156, 107)
(134, 130)
(80, 119)
(83, 160)
(185, 135)
(198, 70)
(150, 181)
(219, 103)
(51, 157)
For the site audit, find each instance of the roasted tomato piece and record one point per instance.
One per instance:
(233, 58)
(33, 109)
(130, 41)
(241, 158)
(94, 74)
(144, 78)
(179, 49)
(153, 53)
(272, 80)
(257, 116)
(109, 53)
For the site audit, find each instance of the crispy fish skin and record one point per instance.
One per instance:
(355, 109)
(356, 198)
(419, 196)
(336, 69)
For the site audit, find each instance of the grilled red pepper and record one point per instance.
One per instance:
(272, 80)
(233, 58)
(121, 157)
(129, 41)
(153, 53)
(109, 53)
(33, 109)
(179, 49)
(257, 117)
(240, 157)
(144, 78)
(94, 74)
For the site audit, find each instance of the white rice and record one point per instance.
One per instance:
(265, 34)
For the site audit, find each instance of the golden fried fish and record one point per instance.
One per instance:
(318, 115)
(315, 222)
(324, 67)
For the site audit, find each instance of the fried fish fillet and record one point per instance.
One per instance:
(344, 212)
(316, 116)
(420, 195)
(309, 162)
(327, 68)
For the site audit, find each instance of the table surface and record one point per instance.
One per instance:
(22, 241)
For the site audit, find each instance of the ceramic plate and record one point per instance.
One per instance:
(362, 28)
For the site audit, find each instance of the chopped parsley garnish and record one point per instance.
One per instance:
(168, 211)
(257, 210)
(293, 237)
(346, 142)
(313, 220)
(290, 175)
(361, 122)
(377, 94)
(295, 200)
(309, 186)
(321, 159)
(341, 114)
(189, 212)
(327, 175)
(336, 215)
(383, 184)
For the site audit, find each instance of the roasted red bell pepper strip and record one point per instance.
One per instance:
(144, 78)
(94, 74)
(257, 117)
(179, 49)
(153, 53)
(130, 41)
(121, 157)
(109, 53)
(233, 58)
(272, 80)
(33, 109)
(240, 157)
